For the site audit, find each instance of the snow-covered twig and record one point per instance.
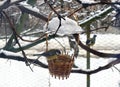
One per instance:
(34, 13)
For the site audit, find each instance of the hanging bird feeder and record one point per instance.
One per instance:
(61, 66)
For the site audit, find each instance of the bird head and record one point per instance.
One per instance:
(57, 52)
(52, 54)
(95, 36)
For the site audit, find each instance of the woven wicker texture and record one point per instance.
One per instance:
(61, 66)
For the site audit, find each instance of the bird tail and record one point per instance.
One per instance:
(37, 54)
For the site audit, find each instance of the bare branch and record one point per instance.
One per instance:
(106, 27)
(34, 13)
(39, 63)
(8, 3)
(101, 54)
(107, 66)
(22, 59)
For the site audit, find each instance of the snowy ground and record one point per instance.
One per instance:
(17, 74)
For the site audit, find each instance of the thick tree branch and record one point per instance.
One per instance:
(34, 13)
(100, 54)
(97, 3)
(107, 66)
(13, 56)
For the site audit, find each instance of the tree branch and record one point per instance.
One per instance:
(100, 54)
(34, 13)
(14, 56)
(107, 66)
(8, 3)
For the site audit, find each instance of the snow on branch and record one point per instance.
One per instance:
(6, 3)
(32, 12)
(15, 56)
(87, 3)
(23, 7)
(100, 54)
(95, 16)
(107, 66)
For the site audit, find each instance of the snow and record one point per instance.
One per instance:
(8, 53)
(2, 2)
(14, 1)
(17, 74)
(68, 1)
(24, 3)
(105, 41)
(40, 2)
(68, 26)
(88, 1)
(97, 14)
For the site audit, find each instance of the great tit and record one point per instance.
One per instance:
(91, 41)
(51, 54)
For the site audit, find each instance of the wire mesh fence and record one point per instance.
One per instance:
(17, 74)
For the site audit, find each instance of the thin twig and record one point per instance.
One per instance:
(55, 11)
(106, 27)
(58, 15)
(15, 36)
(75, 11)
(23, 53)
(59, 25)
(116, 68)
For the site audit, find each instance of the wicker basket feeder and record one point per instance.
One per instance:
(61, 66)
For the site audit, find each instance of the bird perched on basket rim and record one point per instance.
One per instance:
(50, 55)
(91, 41)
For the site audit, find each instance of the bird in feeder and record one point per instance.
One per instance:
(51, 54)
